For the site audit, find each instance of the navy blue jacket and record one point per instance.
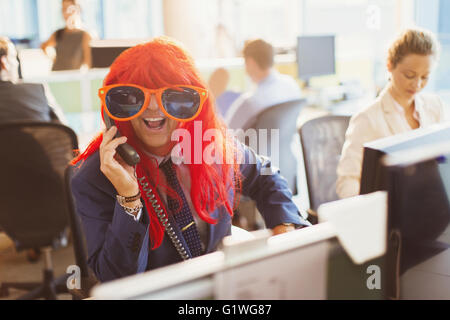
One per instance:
(119, 246)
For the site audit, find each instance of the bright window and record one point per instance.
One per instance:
(36, 20)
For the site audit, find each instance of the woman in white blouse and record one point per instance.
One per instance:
(399, 108)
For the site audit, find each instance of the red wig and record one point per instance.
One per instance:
(159, 63)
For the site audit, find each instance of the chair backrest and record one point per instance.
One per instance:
(322, 140)
(284, 118)
(35, 155)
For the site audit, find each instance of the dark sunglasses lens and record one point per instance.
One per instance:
(182, 103)
(124, 102)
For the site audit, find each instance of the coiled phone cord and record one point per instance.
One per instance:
(160, 213)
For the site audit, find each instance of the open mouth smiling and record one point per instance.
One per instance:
(155, 123)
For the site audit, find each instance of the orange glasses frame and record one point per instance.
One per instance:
(102, 92)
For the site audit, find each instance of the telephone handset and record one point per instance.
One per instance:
(128, 154)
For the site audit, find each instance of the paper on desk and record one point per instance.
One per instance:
(360, 223)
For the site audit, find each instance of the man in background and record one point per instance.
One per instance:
(271, 87)
(22, 101)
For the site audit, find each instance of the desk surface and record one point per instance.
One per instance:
(431, 278)
(428, 280)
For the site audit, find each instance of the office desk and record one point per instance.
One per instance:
(431, 278)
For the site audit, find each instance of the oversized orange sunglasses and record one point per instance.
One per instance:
(124, 102)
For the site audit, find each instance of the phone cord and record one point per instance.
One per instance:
(164, 220)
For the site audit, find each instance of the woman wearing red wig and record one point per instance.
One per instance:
(168, 206)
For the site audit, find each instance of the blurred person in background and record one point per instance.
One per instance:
(23, 101)
(218, 83)
(271, 87)
(399, 108)
(71, 43)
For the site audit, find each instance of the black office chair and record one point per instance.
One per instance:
(322, 140)
(36, 203)
(284, 118)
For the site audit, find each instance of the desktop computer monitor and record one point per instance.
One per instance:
(104, 52)
(418, 184)
(373, 175)
(104, 56)
(315, 56)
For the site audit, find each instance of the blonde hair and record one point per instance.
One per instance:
(413, 41)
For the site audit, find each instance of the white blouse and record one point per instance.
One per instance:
(385, 117)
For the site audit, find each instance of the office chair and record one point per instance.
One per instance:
(282, 117)
(36, 202)
(322, 140)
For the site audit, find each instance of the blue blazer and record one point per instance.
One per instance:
(119, 246)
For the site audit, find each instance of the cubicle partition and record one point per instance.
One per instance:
(331, 260)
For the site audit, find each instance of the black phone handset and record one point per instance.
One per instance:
(127, 152)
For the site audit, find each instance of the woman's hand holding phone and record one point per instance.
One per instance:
(121, 175)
